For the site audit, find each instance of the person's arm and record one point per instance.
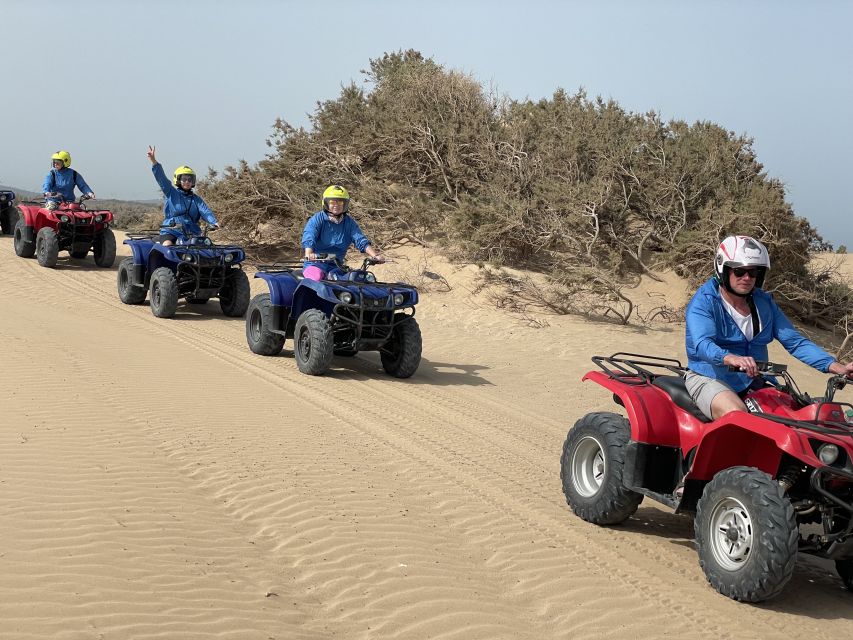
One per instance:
(49, 185)
(205, 212)
(84, 188)
(160, 176)
(702, 334)
(796, 343)
(309, 237)
(361, 242)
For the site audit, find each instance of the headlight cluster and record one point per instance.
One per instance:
(99, 218)
(229, 257)
(827, 453)
(399, 298)
(3, 198)
(188, 257)
(64, 218)
(345, 296)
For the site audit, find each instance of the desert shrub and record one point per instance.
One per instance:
(574, 187)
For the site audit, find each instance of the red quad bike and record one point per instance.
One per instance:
(762, 485)
(71, 227)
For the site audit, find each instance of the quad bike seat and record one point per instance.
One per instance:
(675, 389)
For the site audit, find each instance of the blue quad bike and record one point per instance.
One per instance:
(8, 212)
(194, 268)
(346, 312)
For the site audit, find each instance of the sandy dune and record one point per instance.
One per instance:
(158, 480)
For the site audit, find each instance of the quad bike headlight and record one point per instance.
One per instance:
(827, 453)
(399, 298)
(99, 217)
(229, 257)
(187, 257)
(64, 218)
(346, 297)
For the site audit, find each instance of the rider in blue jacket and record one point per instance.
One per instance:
(60, 181)
(333, 230)
(730, 322)
(182, 209)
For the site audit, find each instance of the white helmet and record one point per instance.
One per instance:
(741, 251)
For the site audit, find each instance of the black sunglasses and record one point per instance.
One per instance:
(740, 272)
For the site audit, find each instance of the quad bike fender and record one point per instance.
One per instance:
(140, 250)
(281, 285)
(308, 296)
(744, 439)
(29, 214)
(650, 411)
(161, 257)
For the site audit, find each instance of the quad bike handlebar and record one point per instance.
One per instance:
(770, 368)
(55, 195)
(331, 258)
(833, 384)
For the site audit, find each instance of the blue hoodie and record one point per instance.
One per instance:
(63, 181)
(324, 236)
(712, 334)
(181, 208)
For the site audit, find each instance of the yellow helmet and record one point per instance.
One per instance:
(184, 170)
(63, 156)
(335, 192)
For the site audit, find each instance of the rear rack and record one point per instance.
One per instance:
(276, 267)
(149, 234)
(635, 369)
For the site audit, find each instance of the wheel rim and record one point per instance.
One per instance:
(255, 325)
(305, 343)
(588, 467)
(730, 534)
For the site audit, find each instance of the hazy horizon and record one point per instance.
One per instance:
(205, 81)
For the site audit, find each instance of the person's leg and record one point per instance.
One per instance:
(714, 398)
(725, 402)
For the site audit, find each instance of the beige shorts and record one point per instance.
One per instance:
(703, 390)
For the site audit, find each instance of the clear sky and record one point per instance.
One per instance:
(205, 80)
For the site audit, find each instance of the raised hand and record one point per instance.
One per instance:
(151, 155)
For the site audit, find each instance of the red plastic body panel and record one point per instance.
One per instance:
(737, 439)
(39, 217)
